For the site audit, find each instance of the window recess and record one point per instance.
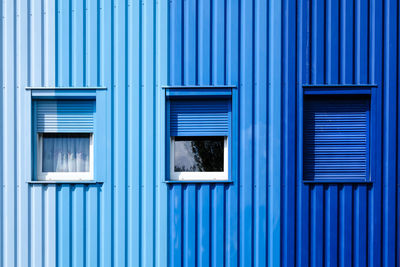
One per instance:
(68, 124)
(339, 130)
(199, 137)
(63, 134)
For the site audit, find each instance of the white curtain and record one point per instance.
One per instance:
(66, 153)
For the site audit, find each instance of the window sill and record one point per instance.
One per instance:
(198, 181)
(65, 182)
(337, 182)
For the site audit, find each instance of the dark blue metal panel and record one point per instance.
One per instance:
(390, 171)
(346, 43)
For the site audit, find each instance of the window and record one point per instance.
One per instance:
(64, 133)
(199, 139)
(199, 157)
(65, 156)
(336, 143)
(339, 133)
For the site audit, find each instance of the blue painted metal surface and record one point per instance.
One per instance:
(85, 44)
(273, 53)
(333, 43)
(217, 42)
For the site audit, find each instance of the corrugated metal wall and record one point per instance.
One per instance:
(216, 43)
(133, 48)
(74, 44)
(341, 42)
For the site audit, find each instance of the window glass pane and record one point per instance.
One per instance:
(65, 152)
(199, 154)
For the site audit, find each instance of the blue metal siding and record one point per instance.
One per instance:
(216, 43)
(78, 44)
(329, 43)
(267, 215)
(1, 134)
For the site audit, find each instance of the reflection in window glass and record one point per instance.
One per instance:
(66, 152)
(199, 154)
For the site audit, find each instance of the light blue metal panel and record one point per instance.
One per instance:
(64, 253)
(36, 222)
(105, 68)
(23, 141)
(78, 229)
(9, 134)
(118, 124)
(274, 132)
(1, 135)
(161, 223)
(134, 169)
(148, 132)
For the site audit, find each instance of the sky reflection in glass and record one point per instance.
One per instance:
(199, 154)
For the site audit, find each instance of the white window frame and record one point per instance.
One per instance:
(198, 176)
(62, 176)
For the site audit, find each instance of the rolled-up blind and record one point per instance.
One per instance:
(200, 117)
(64, 116)
(336, 138)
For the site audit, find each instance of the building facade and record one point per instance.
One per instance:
(311, 132)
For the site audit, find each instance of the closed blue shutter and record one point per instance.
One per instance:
(64, 116)
(336, 138)
(200, 117)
